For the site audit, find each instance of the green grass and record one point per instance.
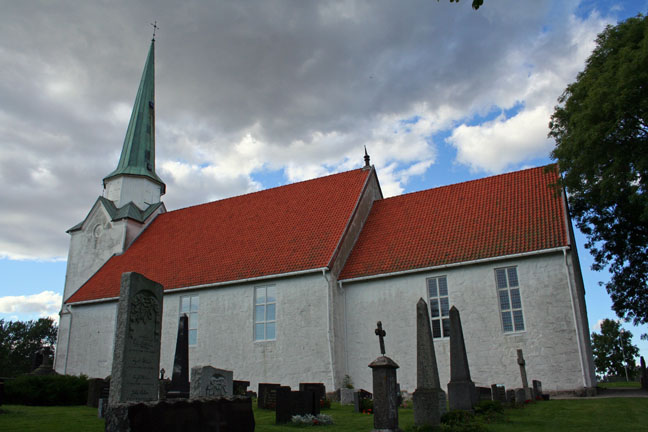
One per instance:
(611, 385)
(609, 414)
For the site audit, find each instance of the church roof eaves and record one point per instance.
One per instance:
(498, 216)
(128, 211)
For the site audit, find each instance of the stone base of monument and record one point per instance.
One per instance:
(204, 415)
(462, 395)
(429, 406)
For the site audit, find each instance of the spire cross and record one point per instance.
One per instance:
(155, 28)
(366, 158)
(381, 334)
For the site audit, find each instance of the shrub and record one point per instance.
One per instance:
(47, 390)
(489, 410)
(366, 406)
(347, 382)
(460, 421)
(325, 403)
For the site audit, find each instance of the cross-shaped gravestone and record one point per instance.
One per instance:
(381, 334)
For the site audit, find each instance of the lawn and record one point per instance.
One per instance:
(624, 384)
(611, 414)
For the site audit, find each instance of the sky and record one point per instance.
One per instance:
(251, 95)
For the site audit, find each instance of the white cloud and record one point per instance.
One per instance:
(44, 304)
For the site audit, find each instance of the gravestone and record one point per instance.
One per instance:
(267, 397)
(207, 381)
(318, 388)
(240, 388)
(44, 367)
(358, 397)
(136, 356)
(94, 391)
(385, 403)
(461, 389)
(523, 375)
(290, 403)
(346, 396)
(180, 378)
(499, 393)
(520, 396)
(537, 389)
(644, 374)
(429, 399)
(510, 396)
(484, 393)
(183, 415)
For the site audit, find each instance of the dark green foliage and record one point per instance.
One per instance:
(475, 4)
(461, 421)
(613, 350)
(366, 405)
(601, 132)
(19, 342)
(489, 410)
(47, 390)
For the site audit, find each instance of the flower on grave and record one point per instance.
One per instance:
(309, 419)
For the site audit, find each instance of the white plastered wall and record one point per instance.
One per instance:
(140, 190)
(549, 343)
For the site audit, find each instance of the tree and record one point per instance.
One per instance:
(613, 350)
(601, 132)
(20, 341)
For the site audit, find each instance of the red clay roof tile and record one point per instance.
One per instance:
(280, 230)
(494, 216)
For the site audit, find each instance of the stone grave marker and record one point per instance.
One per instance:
(523, 375)
(510, 396)
(290, 403)
(267, 397)
(346, 396)
(499, 393)
(520, 396)
(385, 388)
(461, 389)
(484, 393)
(44, 357)
(318, 388)
(136, 356)
(95, 386)
(429, 398)
(537, 389)
(180, 377)
(207, 381)
(358, 397)
(240, 388)
(644, 374)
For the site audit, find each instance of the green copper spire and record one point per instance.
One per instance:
(138, 153)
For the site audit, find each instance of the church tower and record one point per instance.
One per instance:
(132, 193)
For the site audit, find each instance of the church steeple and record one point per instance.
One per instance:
(138, 152)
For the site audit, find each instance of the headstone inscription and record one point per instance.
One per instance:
(290, 403)
(523, 375)
(136, 356)
(385, 388)
(429, 398)
(461, 389)
(267, 397)
(207, 381)
(180, 378)
(644, 374)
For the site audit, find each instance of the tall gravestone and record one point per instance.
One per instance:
(385, 389)
(644, 374)
(429, 399)
(180, 377)
(136, 357)
(523, 375)
(461, 389)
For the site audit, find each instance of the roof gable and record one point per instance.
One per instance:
(495, 216)
(281, 230)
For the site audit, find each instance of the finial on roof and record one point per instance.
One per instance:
(366, 158)
(155, 27)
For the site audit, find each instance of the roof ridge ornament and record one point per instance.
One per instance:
(155, 28)
(366, 159)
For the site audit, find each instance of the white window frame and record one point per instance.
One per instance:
(264, 319)
(439, 300)
(509, 299)
(190, 307)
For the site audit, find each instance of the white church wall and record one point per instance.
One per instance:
(549, 341)
(91, 247)
(225, 335)
(90, 348)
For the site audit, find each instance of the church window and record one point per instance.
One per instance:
(439, 306)
(508, 292)
(265, 313)
(189, 306)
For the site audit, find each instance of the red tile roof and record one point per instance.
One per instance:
(281, 230)
(495, 216)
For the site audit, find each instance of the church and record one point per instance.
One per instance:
(286, 285)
